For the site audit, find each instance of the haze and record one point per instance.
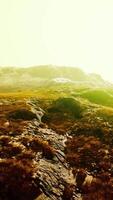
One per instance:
(60, 32)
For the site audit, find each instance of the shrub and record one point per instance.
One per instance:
(22, 114)
(22, 184)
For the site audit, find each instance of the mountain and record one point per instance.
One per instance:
(34, 77)
(45, 72)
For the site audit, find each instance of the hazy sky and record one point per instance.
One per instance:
(61, 32)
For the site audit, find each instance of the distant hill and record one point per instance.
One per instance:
(44, 72)
(37, 76)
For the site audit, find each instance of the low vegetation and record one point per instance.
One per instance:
(73, 139)
(101, 97)
(90, 157)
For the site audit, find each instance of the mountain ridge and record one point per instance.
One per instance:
(48, 73)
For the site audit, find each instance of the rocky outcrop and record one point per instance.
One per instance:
(38, 163)
(36, 155)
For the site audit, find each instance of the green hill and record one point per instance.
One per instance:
(101, 97)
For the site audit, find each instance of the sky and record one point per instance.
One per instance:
(59, 32)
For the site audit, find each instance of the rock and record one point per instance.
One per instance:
(42, 197)
(6, 124)
(37, 149)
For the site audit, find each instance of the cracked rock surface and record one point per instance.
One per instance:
(31, 146)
